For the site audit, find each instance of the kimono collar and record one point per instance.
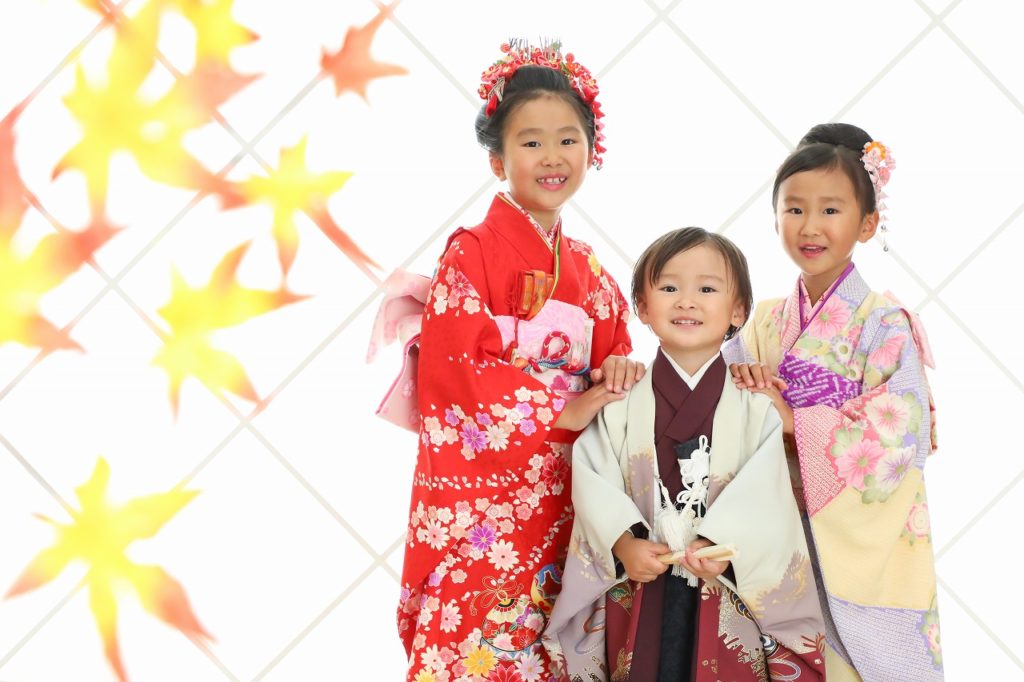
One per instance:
(548, 237)
(690, 381)
(809, 310)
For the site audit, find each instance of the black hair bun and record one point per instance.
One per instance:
(839, 134)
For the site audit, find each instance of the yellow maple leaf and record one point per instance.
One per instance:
(352, 67)
(193, 314)
(114, 117)
(26, 278)
(292, 188)
(217, 33)
(98, 536)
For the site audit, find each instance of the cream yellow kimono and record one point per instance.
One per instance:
(750, 505)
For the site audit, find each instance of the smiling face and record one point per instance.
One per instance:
(820, 222)
(545, 156)
(691, 306)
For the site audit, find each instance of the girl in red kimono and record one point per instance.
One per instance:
(516, 317)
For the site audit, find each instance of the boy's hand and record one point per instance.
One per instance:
(705, 569)
(640, 557)
(581, 410)
(618, 373)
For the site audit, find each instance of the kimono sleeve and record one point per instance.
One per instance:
(604, 510)
(870, 443)
(477, 411)
(611, 333)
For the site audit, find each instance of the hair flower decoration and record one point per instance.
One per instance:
(879, 163)
(518, 53)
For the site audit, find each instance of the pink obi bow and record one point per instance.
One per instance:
(924, 349)
(400, 318)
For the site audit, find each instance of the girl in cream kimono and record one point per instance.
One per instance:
(688, 467)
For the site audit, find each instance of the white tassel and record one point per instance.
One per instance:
(676, 524)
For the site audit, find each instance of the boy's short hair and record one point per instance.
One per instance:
(654, 258)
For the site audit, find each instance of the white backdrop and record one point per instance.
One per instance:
(291, 552)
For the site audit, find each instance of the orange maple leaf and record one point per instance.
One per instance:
(195, 313)
(99, 535)
(25, 278)
(352, 67)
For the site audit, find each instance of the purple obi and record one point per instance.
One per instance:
(810, 384)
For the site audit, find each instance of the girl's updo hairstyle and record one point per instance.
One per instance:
(526, 84)
(828, 146)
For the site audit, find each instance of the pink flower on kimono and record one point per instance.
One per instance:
(483, 418)
(458, 576)
(434, 534)
(419, 641)
(918, 523)
(859, 460)
(503, 555)
(524, 512)
(889, 414)
(505, 673)
(525, 409)
(431, 658)
(530, 667)
(473, 437)
(497, 438)
(830, 319)
(481, 537)
(528, 427)
(450, 417)
(460, 286)
(554, 470)
(886, 355)
(450, 617)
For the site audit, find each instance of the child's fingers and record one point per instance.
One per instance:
(748, 378)
(597, 375)
(760, 375)
(779, 384)
(734, 370)
(639, 372)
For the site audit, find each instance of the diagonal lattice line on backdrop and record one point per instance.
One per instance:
(747, 102)
(320, 617)
(34, 473)
(470, 97)
(981, 514)
(981, 624)
(933, 294)
(628, 47)
(47, 617)
(907, 49)
(940, 20)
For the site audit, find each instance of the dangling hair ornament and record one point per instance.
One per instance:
(879, 163)
(518, 52)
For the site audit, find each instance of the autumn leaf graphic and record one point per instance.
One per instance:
(26, 278)
(292, 188)
(352, 67)
(194, 314)
(115, 118)
(98, 536)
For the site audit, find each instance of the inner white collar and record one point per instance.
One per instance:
(691, 381)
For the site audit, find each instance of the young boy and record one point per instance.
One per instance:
(685, 462)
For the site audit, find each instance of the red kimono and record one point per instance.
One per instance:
(513, 322)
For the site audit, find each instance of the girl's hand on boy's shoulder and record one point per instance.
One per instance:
(581, 410)
(618, 373)
(705, 569)
(640, 557)
(758, 378)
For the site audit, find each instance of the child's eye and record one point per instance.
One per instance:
(568, 141)
(795, 211)
(669, 289)
(531, 143)
(831, 211)
(707, 290)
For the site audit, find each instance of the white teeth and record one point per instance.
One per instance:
(551, 181)
(689, 323)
